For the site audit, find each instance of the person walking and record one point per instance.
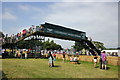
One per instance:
(104, 60)
(51, 64)
(21, 53)
(95, 60)
(63, 56)
(100, 61)
(26, 54)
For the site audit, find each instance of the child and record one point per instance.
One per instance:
(54, 57)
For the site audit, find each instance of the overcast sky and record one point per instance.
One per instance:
(98, 19)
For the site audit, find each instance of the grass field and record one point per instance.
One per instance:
(38, 68)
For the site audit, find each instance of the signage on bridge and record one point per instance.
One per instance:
(63, 32)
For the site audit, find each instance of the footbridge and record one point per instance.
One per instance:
(56, 31)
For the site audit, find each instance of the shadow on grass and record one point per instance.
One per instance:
(97, 67)
(79, 63)
(103, 68)
(4, 76)
(57, 66)
(108, 68)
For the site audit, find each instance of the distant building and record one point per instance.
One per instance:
(112, 52)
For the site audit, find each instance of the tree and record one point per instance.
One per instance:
(1, 38)
(99, 45)
(28, 44)
(51, 45)
(46, 45)
(2, 35)
(78, 46)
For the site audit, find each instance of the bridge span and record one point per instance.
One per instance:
(56, 31)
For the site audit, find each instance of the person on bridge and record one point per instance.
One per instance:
(33, 28)
(42, 28)
(24, 32)
(89, 38)
(30, 30)
(19, 35)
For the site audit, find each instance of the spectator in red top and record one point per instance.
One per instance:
(24, 32)
(54, 56)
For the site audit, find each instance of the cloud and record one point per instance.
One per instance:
(60, 0)
(35, 11)
(24, 7)
(0, 16)
(29, 8)
(98, 20)
(90, 0)
(8, 16)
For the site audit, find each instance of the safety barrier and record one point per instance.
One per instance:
(110, 59)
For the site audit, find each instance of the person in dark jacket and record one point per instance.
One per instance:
(63, 56)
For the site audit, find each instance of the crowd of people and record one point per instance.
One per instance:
(112, 54)
(23, 54)
(74, 59)
(52, 55)
(22, 34)
(103, 60)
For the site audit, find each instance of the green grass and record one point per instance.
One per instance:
(38, 68)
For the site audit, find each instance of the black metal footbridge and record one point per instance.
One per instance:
(56, 31)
